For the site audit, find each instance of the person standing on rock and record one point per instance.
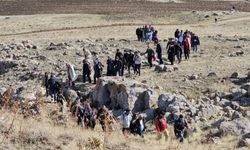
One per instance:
(171, 52)
(179, 128)
(159, 52)
(126, 120)
(150, 55)
(161, 125)
(86, 71)
(137, 60)
(71, 75)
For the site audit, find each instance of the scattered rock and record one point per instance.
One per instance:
(235, 75)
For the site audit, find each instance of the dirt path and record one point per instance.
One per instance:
(222, 21)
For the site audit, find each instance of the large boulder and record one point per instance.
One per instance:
(235, 127)
(120, 93)
(176, 103)
(209, 110)
(70, 95)
(245, 141)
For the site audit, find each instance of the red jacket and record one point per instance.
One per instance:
(160, 123)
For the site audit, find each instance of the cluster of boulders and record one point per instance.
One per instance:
(166, 68)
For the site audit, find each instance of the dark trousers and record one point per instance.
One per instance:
(137, 69)
(150, 61)
(195, 48)
(160, 58)
(84, 75)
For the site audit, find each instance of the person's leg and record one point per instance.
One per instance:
(129, 68)
(181, 135)
(84, 77)
(94, 78)
(89, 78)
(139, 69)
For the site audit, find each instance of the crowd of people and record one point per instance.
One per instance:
(87, 115)
(147, 33)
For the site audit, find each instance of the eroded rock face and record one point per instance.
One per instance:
(118, 93)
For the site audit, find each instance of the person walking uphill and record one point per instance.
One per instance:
(126, 120)
(161, 125)
(150, 55)
(98, 68)
(195, 42)
(86, 71)
(179, 128)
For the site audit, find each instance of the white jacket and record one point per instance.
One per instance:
(137, 59)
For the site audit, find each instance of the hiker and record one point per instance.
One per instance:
(155, 37)
(61, 101)
(159, 52)
(195, 42)
(71, 75)
(125, 118)
(118, 54)
(177, 33)
(52, 87)
(46, 83)
(133, 126)
(89, 120)
(130, 61)
(98, 68)
(186, 48)
(161, 125)
(102, 115)
(171, 52)
(138, 34)
(110, 67)
(178, 50)
(150, 55)
(80, 114)
(86, 71)
(140, 123)
(137, 60)
(179, 128)
(118, 67)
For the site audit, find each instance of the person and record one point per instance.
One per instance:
(80, 114)
(110, 66)
(177, 33)
(141, 34)
(215, 20)
(89, 120)
(137, 60)
(102, 115)
(130, 61)
(126, 120)
(86, 71)
(46, 83)
(195, 42)
(178, 50)
(171, 52)
(133, 126)
(179, 128)
(186, 48)
(159, 52)
(155, 37)
(138, 34)
(61, 101)
(150, 55)
(71, 75)
(161, 125)
(52, 87)
(98, 68)
(118, 54)
(140, 123)
(118, 67)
